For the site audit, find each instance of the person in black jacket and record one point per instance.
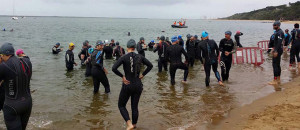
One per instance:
(173, 54)
(209, 51)
(162, 49)
(132, 82)
(237, 38)
(69, 57)
(227, 47)
(271, 43)
(108, 51)
(56, 49)
(277, 52)
(16, 75)
(118, 51)
(141, 47)
(98, 70)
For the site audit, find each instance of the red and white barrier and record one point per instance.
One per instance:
(263, 45)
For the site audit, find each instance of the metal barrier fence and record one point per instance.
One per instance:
(264, 45)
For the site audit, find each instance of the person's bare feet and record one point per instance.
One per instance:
(185, 82)
(274, 82)
(221, 83)
(129, 125)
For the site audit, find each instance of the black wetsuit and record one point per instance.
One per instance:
(131, 66)
(108, 51)
(237, 39)
(181, 42)
(271, 43)
(287, 40)
(85, 52)
(150, 45)
(209, 51)
(279, 37)
(16, 73)
(56, 50)
(98, 73)
(118, 52)
(191, 51)
(139, 48)
(112, 44)
(169, 43)
(88, 69)
(162, 61)
(226, 61)
(69, 58)
(197, 42)
(2, 96)
(293, 48)
(174, 53)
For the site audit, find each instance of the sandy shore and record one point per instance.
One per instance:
(278, 111)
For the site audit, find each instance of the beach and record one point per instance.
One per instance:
(280, 110)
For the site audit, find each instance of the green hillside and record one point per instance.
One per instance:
(290, 11)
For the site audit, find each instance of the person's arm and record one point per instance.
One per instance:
(148, 64)
(139, 48)
(217, 49)
(116, 66)
(185, 54)
(156, 49)
(221, 46)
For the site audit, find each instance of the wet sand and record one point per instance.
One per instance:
(280, 110)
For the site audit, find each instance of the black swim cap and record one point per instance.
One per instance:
(162, 38)
(142, 38)
(7, 49)
(131, 43)
(296, 25)
(276, 23)
(117, 43)
(85, 43)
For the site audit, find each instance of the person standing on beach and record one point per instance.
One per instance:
(293, 54)
(132, 82)
(98, 70)
(162, 49)
(271, 43)
(296, 45)
(227, 47)
(16, 75)
(174, 54)
(277, 52)
(69, 57)
(209, 51)
(237, 38)
(141, 46)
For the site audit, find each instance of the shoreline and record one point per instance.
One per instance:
(264, 21)
(279, 110)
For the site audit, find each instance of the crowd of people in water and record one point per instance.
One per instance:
(16, 68)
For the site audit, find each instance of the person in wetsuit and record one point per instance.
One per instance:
(277, 52)
(209, 51)
(69, 57)
(108, 51)
(132, 82)
(287, 38)
(2, 92)
(181, 42)
(237, 38)
(162, 49)
(173, 54)
(118, 51)
(296, 45)
(227, 47)
(16, 74)
(168, 41)
(151, 45)
(191, 50)
(98, 70)
(88, 63)
(271, 43)
(56, 49)
(84, 54)
(112, 43)
(141, 46)
(292, 52)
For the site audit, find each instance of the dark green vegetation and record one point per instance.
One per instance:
(282, 12)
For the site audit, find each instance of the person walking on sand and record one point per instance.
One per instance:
(293, 54)
(132, 86)
(277, 52)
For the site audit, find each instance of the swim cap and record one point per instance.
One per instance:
(58, 44)
(228, 33)
(112, 40)
(117, 43)
(204, 34)
(276, 23)
(142, 38)
(174, 39)
(152, 41)
(131, 43)
(99, 42)
(71, 44)
(296, 25)
(7, 49)
(179, 37)
(85, 43)
(162, 38)
(91, 50)
(19, 51)
(196, 36)
(285, 35)
(106, 41)
(238, 32)
(188, 36)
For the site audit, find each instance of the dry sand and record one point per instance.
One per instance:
(278, 111)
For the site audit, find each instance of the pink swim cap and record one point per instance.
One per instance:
(238, 32)
(19, 51)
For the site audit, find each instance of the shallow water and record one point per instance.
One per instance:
(65, 100)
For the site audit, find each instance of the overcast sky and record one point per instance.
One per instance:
(169, 9)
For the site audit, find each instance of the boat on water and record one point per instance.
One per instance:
(14, 17)
(180, 24)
